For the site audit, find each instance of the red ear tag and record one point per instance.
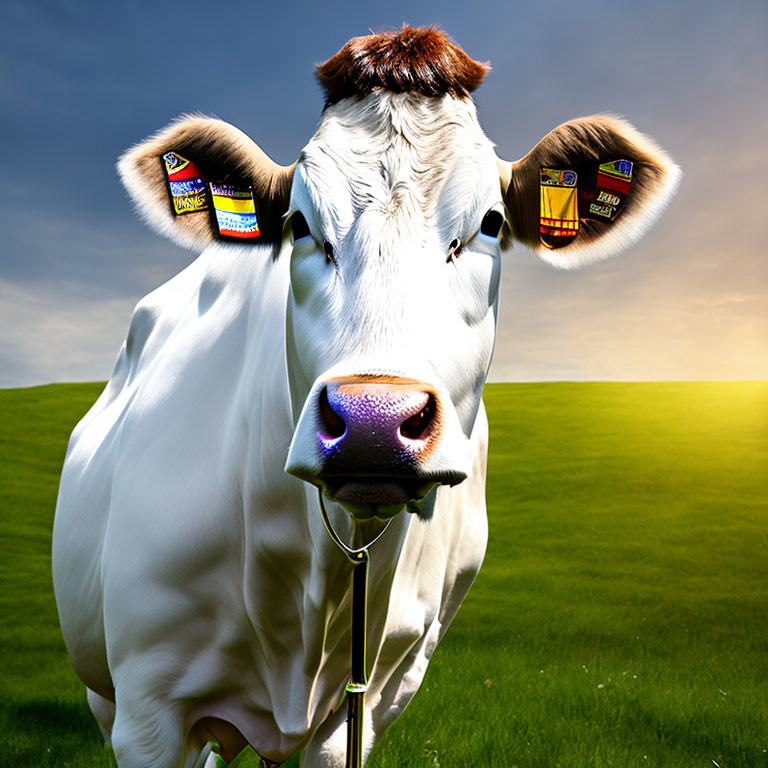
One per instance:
(614, 181)
(559, 216)
(185, 184)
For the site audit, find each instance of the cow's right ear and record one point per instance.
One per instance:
(169, 178)
(589, 189)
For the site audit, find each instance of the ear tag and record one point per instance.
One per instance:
(234, 211)
(614, 180)
(185, 184)
(559, 216)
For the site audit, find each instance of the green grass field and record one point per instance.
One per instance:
(620, 619)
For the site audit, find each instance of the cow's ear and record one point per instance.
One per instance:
(587, 190)
(194, 182)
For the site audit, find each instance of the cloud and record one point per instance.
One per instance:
(734, 298)
(50, 335)
(623, 321)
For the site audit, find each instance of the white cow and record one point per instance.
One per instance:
(341, 342)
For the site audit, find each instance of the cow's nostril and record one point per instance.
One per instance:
(416, 426)
(333, 424)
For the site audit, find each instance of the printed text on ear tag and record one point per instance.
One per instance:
(559, 216)
(185, 184)
(614, 180)
(234, 211)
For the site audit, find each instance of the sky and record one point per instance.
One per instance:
(81, 81)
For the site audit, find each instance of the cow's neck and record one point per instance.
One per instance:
(303, 589)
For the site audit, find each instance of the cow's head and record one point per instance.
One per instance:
(394, 219)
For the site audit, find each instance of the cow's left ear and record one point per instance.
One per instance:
(589, 189)
(201, 179)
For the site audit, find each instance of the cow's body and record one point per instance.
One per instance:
(200, 596)
(243, 614)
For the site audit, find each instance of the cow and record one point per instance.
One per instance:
(330, 343)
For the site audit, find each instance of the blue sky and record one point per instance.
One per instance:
(81, 81)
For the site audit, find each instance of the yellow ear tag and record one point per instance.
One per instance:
(559, 212)
(235, 212)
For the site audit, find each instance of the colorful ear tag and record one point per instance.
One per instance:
(559, 216)
(235, 211)
(185, 183)
(614, 180)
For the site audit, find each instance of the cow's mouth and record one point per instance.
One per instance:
(375, 496)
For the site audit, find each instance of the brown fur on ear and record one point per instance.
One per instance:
(422, 60)
(222, 153)
(581, 145)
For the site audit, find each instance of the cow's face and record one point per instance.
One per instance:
(396, 212)
(391, 220)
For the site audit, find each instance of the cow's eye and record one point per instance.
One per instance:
(492, 223)
(329, 257)
(300, 226)
(454, 248)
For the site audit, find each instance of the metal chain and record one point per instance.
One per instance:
(352, 554)
(358, 680)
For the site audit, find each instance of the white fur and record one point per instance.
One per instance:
(390, 181)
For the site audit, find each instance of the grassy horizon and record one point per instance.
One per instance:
(620, 618)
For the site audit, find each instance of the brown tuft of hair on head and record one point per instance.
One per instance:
(415, 59)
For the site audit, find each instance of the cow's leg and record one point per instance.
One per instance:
(104, 712)
(328, 746)
(158, 743)
(149, 733)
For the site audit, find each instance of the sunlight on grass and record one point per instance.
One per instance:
(620, 619)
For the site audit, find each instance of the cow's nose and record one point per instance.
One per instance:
(396, 417)
(375, 443)
(376, 437)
